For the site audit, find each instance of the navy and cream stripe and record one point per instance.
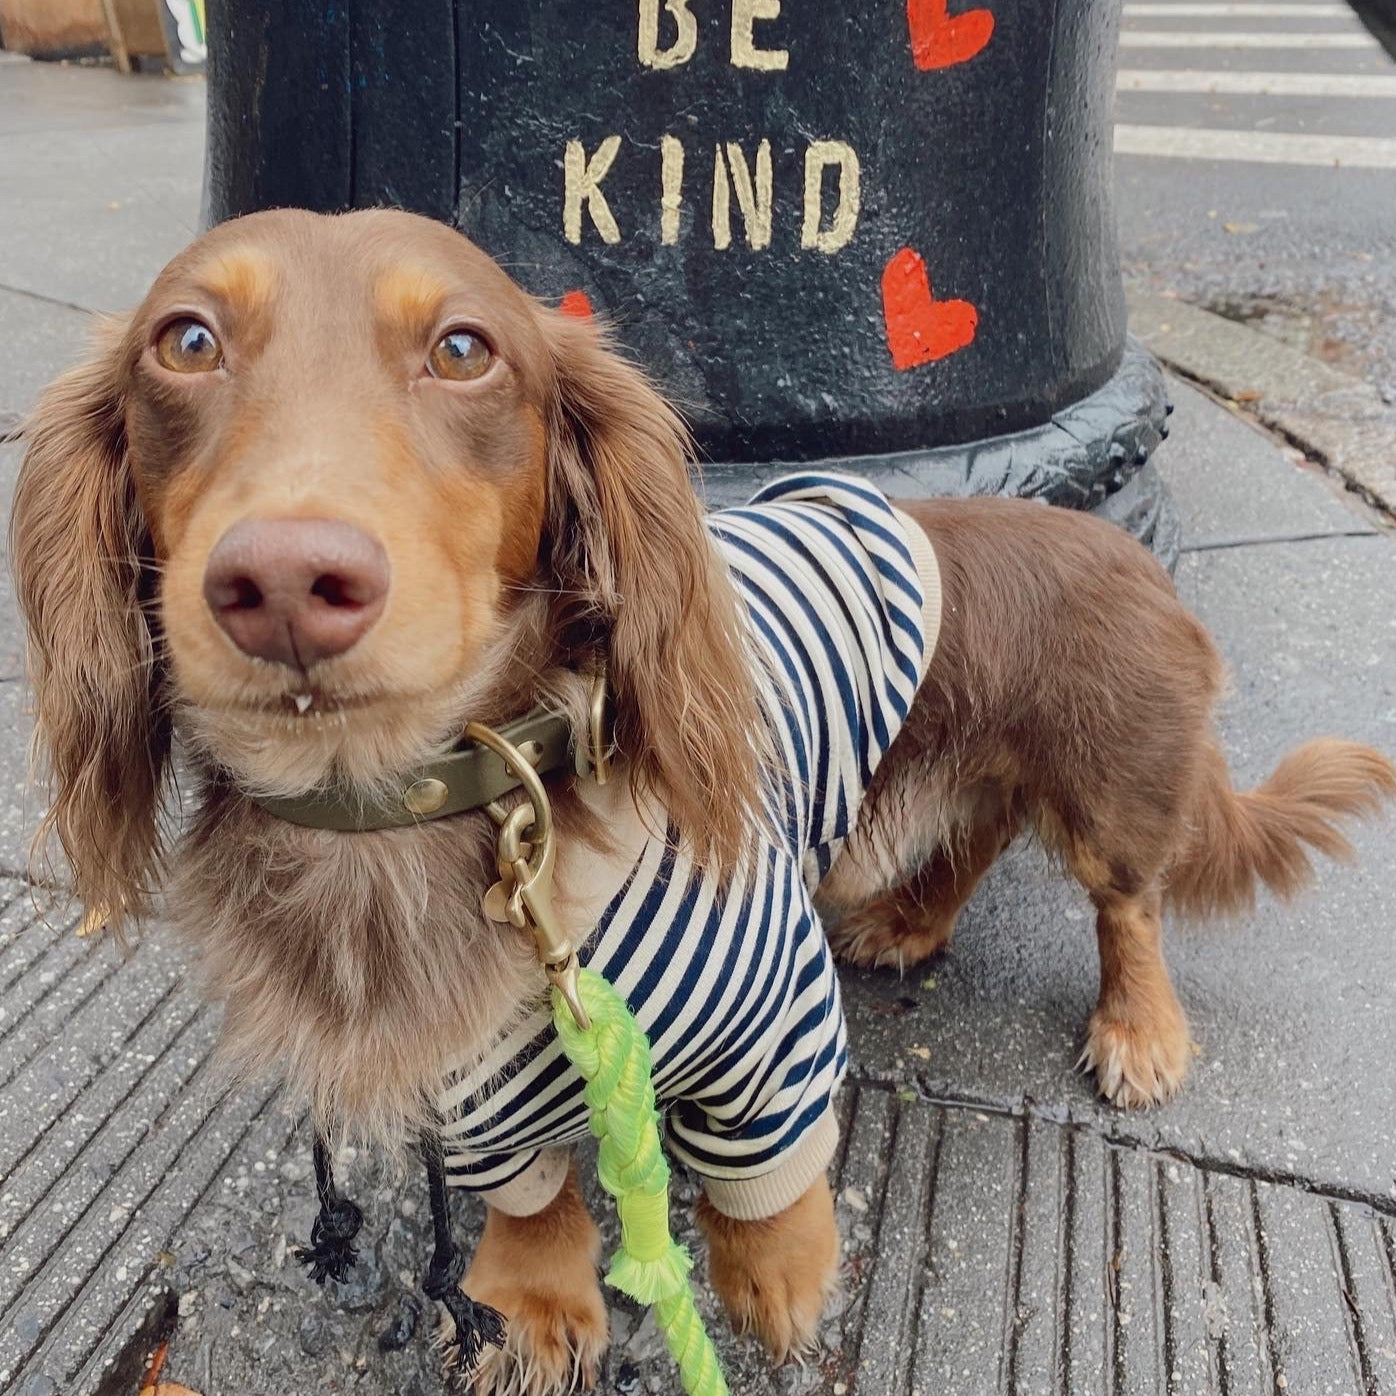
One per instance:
(735, 984)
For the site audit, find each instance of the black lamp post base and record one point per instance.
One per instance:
(1094, 454)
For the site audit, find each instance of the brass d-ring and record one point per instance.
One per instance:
(522, 770)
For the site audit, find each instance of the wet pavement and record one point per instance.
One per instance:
(1300, 243)
(1004, 1230)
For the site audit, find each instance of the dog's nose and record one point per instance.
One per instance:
(295, 591)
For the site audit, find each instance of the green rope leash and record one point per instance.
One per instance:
(613, 1057)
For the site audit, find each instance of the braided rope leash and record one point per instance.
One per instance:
(610, 1051)
(612, 1054)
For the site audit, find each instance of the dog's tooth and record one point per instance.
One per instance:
(303, 701)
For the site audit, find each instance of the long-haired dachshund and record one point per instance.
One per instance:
(338, 487)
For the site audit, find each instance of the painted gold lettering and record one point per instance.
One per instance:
(753, 196)
(745, 54)
(818, 158)
(685, 40)
(582, 190)
(671, 186)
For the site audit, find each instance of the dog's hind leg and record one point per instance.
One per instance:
(540, 1273)
(917, 918)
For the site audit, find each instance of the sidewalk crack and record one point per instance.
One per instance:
(949, 1098)
(46, 299)
(1254, 540)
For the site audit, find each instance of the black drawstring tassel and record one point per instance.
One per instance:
(331, 1250)
(331, 1254)
(476, 1324)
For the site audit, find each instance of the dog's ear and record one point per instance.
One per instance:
(627, 542)
(80, 555)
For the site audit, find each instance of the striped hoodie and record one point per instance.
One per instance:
(734, 983)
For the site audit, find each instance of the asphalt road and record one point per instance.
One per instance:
(1256, 159)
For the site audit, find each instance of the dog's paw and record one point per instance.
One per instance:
(555, 1343)
(880, 935)
(1137, 1064)
(780, 1306)
(775, 1276)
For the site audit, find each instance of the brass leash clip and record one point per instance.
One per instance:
(525, 855)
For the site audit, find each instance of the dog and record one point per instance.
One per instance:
(338, 486)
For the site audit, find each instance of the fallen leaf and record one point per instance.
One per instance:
(154, 1367)
(1248, 395)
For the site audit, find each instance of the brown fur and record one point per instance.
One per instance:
(84, 572)
(536, 520)
(1072, 692)
(774, 1276)
(1264, 835)
(540, 1272)
(916, 918)
(346, 964)
(533, 521)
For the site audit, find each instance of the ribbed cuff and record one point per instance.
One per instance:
(533, 1189)
(754, 1199)
(928, 569)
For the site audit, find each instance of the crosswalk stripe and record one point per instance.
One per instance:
(1163, 38)
(1260, 9)
(1257, 84)
(1259, 147)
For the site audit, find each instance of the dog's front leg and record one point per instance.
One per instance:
(540, 1273)
(774, 1275)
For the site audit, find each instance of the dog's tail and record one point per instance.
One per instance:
(1240, 839)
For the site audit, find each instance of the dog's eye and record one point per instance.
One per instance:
(188, 346)
(460, 355)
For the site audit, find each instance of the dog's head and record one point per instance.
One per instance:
(318, 500)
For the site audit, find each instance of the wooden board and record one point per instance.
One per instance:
(138, 21)
(53, 28)
(170, 30)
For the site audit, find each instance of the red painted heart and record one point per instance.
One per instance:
(576, 304)
(921, 329)
(938, 41)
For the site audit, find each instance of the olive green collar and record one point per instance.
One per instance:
(467, 778)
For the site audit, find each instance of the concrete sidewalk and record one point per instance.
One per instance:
(1005, 1232)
